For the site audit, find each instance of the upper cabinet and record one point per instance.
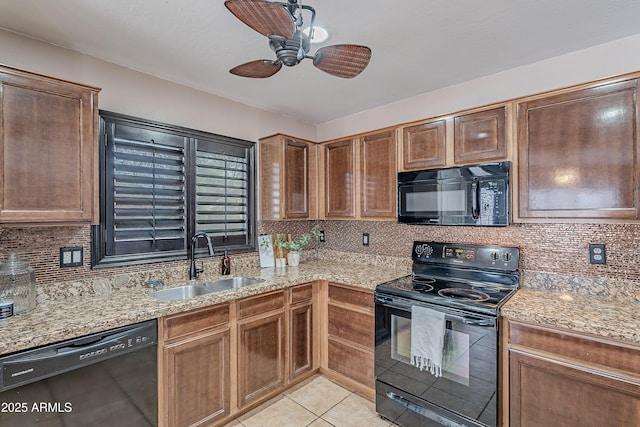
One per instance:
(474, 137)
(423, 145)
(340, 179)
(480, 137)
(378, 176)
(360, 177)
(287, 178)
(48, 150)
(577, 154)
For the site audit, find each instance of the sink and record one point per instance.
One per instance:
(180, 292)
(230, 283)
(190, 291)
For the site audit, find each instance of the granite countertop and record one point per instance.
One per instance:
(68, 315)
(61, 318)
(608, 317)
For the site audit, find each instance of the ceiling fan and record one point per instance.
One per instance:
(282, 23)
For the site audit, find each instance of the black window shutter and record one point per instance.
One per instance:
(160, 184)
(223, 193)
(149, 191)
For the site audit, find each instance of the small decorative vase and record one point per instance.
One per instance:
(293, 258)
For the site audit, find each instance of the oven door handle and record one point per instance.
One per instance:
(467, 320)
(421, 410)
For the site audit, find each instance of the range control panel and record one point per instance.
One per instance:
(503, 258)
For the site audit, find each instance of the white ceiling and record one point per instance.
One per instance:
(418, 45)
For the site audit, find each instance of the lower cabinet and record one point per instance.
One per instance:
(194, 370)
(559, 378)
(350, 337)
(261, 351)
(302, 348)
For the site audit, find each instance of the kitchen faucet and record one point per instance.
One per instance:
(193, 273)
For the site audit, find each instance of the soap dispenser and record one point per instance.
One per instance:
(226, 264)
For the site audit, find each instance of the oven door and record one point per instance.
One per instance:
(465, 394)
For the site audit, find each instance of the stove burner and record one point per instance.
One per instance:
(423, 280)
(488, 289)
(464, 294)
(423, 284)
(422, 287)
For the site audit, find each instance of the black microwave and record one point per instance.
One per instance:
(470, 195)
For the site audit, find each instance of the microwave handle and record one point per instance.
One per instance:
(475, 198)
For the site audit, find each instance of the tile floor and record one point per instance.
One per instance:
(316, 402)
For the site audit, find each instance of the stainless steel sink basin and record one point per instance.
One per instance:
(190, 291)
(230, 283)
(180, 292)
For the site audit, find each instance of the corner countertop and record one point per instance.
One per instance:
(59, 319)
(615, 318)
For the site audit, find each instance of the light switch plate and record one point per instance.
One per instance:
(365, 239)
(71, 257)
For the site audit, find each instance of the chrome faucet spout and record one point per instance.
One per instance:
(193, 272)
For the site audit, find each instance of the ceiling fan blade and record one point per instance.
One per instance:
(342, 60)
(259, 69)
(265, 17)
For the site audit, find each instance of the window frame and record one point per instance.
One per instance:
(100, 232)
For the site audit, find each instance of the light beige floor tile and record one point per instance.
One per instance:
(354, 411)
(319, 395)
(283, 413)
(234, 423)
(320, 423)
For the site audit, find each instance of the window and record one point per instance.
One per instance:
(160, 184)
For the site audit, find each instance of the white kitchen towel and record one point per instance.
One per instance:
(427, 339)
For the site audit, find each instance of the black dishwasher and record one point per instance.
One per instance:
(103, 379)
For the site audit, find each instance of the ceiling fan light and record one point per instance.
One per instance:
(320, 35)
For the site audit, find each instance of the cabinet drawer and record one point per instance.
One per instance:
(351, 362)
(301, 293)
(608, 354)
(251, 306)
(361, 298)
(178, 325)
(351, 326)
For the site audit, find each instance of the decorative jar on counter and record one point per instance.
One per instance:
(18, 283)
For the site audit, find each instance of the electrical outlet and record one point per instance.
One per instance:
(365, 239)
(322, 238)
(71, 257)
(597, 253)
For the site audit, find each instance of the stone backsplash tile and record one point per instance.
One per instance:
(560, 250)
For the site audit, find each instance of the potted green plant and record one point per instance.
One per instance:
(295, 246)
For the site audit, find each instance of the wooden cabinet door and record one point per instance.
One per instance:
(301, 330)
(48, 150)
(544, 392)
(423, 145)
(558, 377)
(350, 332)
(260, 357)
(578, 155)
(340, 179)
(288, 181)
(197, 378)
(301, 339)
(296, 179)
(378, 177)
(480, 137)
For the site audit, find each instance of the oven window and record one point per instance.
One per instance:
(455, 356)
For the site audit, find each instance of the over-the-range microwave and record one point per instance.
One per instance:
(470, 195)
